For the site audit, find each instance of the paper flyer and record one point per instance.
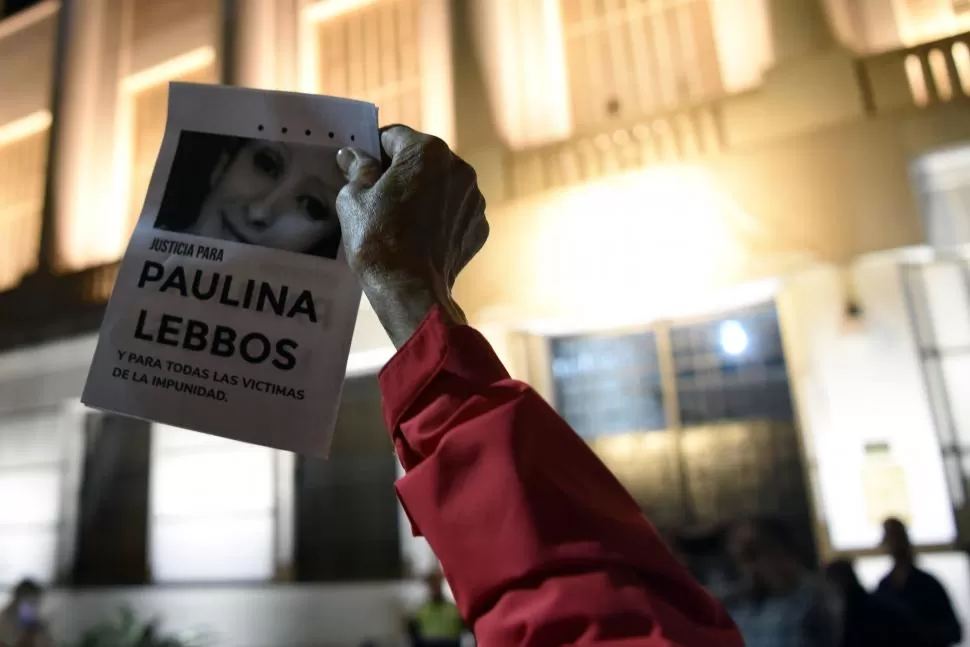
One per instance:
(234, 308)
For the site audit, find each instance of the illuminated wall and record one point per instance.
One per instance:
(880, 25)
(26, 47)
(119, 91)
(395, 53)
(554, 67)
(23, 157)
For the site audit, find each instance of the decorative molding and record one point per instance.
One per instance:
(675, 137)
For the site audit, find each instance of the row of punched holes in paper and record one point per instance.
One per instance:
(284, 130)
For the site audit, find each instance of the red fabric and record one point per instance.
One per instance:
(541, 545)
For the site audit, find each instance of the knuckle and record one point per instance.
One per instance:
(433, 147)
(465, 172)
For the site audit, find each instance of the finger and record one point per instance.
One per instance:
(398, 137)
(360, 169)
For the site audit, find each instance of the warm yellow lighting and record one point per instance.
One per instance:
(637, 245)
(23, 156)
(171, 69)
(961, 59)
(921, 22)
(327, 9)
(410, 84)
(522, 54)
(917, 80)
(742, 35)
(32, 124)
(941, 74)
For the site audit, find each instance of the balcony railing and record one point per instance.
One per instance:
(917, 77)
(673, 137)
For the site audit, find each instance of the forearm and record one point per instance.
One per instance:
(541, 544)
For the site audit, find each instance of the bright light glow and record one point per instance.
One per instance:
(921, 22)
(520, 47)
(327, 9)
(30, 494)
(171, 69)
(632, 247)
(32, 124)
(855, 391)
(732, 337)
(212, 508)
(23, 156)
(742, 35)
(426, 63)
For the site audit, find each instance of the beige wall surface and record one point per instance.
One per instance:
(27, 52)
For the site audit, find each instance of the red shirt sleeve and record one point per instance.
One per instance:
(541, 545)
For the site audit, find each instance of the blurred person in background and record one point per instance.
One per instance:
(437, 622)
(918, 591)
(541, 545)
(777, 601)
(21, 624)
(869, 620)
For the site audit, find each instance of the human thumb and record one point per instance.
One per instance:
(360, 169)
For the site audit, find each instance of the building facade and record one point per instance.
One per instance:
(728, 244)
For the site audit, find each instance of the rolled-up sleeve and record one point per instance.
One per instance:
(540, 543)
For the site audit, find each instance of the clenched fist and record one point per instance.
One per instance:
(408, 231)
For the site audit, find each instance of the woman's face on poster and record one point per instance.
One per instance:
(272, 194)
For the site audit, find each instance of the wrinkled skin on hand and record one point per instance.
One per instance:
(408, 231)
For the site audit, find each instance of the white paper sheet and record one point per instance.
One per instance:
(234, 308)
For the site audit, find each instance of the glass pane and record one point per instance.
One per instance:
(29, 497)
(938, 396)
(948, 300)
(212, 481)
(165, 437)
(30, 439)
(608, 384)
(732, 369)
(213, 549)
(956, 374)
(27, 552)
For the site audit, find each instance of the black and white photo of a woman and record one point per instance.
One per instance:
(272, 194)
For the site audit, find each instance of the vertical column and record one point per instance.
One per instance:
(798, 28)
(63, 35)
(78, 225)
(249, 43)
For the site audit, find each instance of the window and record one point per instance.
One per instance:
(608, 384)
(731, 369)
(23, 164)
(394, 53)
(212, 508)
(553, 67)
(346, 508)
(111, 545)
(938, 295)
(732, 450)
(146, 96)
(942, 183)
(638, 57)
(31, 475)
